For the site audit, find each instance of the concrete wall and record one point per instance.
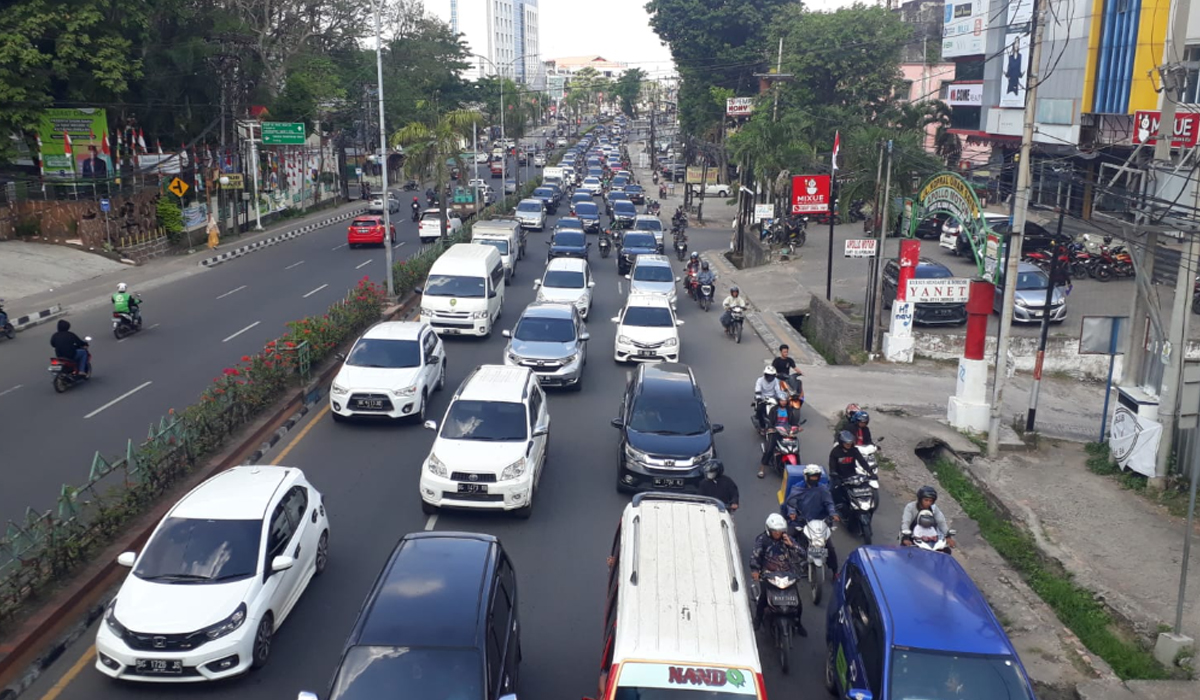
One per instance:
(754, 253)
(144, 252)
(839, 338)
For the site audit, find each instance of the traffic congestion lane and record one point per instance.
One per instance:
(194, 328)
(369, 474)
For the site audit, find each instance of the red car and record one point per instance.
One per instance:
(497, 168)
(367, 230)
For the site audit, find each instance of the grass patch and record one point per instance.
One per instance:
(1174, 497)
(977, 439)
(1074, 605)
(886, 464)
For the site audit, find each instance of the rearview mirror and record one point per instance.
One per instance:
(617, 423)
(127, 559)
(591, 284)
(679, 322)
(418, 290)
(492, 294)
(430, 425)
(506, 333)
(537, 283)
(282, 563)
(616, 319)
(585, 336)
(717, 427)
(340, 355)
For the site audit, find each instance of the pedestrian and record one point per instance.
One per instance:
(1060, 269)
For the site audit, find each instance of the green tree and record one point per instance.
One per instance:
(628, 89)
(429, 148)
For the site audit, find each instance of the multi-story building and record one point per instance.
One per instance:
(503, 35)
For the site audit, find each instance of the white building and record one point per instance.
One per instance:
(505, 32)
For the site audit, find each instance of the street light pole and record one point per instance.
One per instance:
(383, 154)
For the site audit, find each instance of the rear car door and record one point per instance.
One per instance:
(856, 660)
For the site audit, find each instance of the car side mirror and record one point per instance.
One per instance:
(537, 283)
(282, 563)
(506, 333)
(306, 695)
(492, 294)
(430, 425)
(340, 355)
(591, 284)
(616, 319)
(126, 559)
(717, 427)
(549, 243)
(678, 279)
(679, 322)
(585, 336)
(418, 290)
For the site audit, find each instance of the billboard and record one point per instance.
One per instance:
(1187, 128)
(739, 106)
(964, 28)
(90, 155)
(965, 95)
(810, 193)
(1017, 41)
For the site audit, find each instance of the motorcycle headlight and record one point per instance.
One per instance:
(406, 391)
(227, 625)
(671, 342)
(479, 314)
(436, 467)
(624, 340)
(513, 470)
(338, 389)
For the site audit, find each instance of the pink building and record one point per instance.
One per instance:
(925, 83)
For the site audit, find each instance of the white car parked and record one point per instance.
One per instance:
(531, 214)
(216, 579)
(491, 448)
(647, 330)
(569, 281)
(391, 371)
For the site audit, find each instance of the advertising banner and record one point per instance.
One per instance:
(860, 247)
(90, 157)
(810, 193)
(1133, 441)
(1187, 128)
(945, 291)
(1017, 37)
(964, 28)
(965, 95)
(739, 106)
(764, 211)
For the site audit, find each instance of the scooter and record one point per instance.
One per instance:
(126, 324)
(410, 185)
(861, 499)
(605, 244)
(416, 213)
(935, 543)
(737, 317)
(705, 296)
(6, 328)
(681, 245)
(817, 533)
(782, 589)
(66, 372)
(787, 448)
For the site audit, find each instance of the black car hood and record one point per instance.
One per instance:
(638, 250)
(568, 249)
(677, 446)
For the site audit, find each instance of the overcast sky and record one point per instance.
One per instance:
(618, 30)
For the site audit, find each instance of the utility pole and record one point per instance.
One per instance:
(1031, 415)
(1012, 251)
(778, 71)
(871, 324)
(383, 155)
(882, 214)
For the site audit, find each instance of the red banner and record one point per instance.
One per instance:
(1187, 128)
(810, 193)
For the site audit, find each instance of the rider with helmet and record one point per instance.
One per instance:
(68, 346)
(716, 484)
(690, 271)
(862, 433)
(734, 299)
(846, 422)
(926, 500)
(125, 303)
(812, 500)
(766, 387)
(844, 459)
(785, 415)
(706, 275)
(774, 550)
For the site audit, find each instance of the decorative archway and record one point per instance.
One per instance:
(948, 193)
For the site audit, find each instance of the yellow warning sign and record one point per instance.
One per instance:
(178, 187)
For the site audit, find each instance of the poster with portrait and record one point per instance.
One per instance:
(91, 155)
(1017, 42)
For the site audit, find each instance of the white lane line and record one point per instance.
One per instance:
(401, 243)
(232, 291)
(241, 331)
(120, 398)
(152, 327)
(339, 247)
(359, 267)
(431, 522)
(9, 391)
(294, 265)
(314, 291)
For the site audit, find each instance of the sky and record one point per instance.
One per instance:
(619, 32)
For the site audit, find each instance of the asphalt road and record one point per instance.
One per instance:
(194, 328)
(369, 475)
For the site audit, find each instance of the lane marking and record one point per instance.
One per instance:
(359, 267)
(431, 522)
(69, 676)
(241, 331)
(120, 398)
(153, 327)
(315, 291)
(340, 247)
(9, 391)
(232, 291)
(300, 435)
(294, 265)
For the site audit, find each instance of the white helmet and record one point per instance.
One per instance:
(121, 287)
(811, 469)
(776, 523)
(769, 371)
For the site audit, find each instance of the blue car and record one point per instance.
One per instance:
(908, 623)
(589, 214)
(633, 244)
(567, 244)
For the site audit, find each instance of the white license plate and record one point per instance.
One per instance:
(368, 403)
(166, 667)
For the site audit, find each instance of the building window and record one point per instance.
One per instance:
(904, 91)
(1191, 89)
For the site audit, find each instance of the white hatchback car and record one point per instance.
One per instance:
(652, 274)
(216, 579)
(647, 330)
(391, 371)
(569, 281)
(592, 186)
(491, 448)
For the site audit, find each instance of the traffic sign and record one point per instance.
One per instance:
(178, 187)
(860, 247)
(235, 181)
(283, 133)
(105, 205)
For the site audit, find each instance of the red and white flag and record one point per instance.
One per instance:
(159, 144)
(67, 145)
(141, 141)
(104, 147)
(837, 146)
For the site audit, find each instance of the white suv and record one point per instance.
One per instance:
(647, 330)
(531, 214)
(391, 371)
(491, 448)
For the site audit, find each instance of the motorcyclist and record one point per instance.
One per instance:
(860, 429)
(68, 346)
(785, 367)
(844, 460)
(716, 484)
(926, 500)
(766, 387)
(733, 300)
(774, 550)
(706, 275)
(846, 422)
(125, 303)
(690, 271)
(812, 500)
(782, 416)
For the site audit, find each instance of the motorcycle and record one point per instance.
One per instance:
(782, 589)
(681, 246)
(410, 185)
(416, 212)
(6, 328)
(787, 448)
(861, 499)
(126, 324)
(66, 372)
(605, 244)
(705, 296)
(934, 543)
(816, 556)
(1114, 262)
(760, 425)
(856, 211)
(737, 317)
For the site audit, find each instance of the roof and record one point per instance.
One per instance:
(647, 300)
(396, 330)
(648, 217)
(466, 251)
(955, 616)
(652, 259)
(549, 309)
(669, 377)
(572, 264)
(690, 599)
(496, 383)
(429, 593)
(241, 493)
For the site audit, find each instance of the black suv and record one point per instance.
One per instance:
(927, 314)
(567, 243)
(666, 437)
(633, 244)
(442, 614)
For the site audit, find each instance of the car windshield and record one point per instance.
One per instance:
(499, 244)
(580, 197)
(370, 673)
(543, 192)
(587, 209)
(563, 279)
(667, 416)
(633, 188)
(540, 329)
(366, 223)
(639, 240)
(570, 239)
(653, 273)
(928, 675)
(431, 216)
(624, 206)
(648, 316)
(378, 352)
(648, 225)
(491, 421)
(529, 206)
(1032, 280)
(455, 286)
(193, 550)
(930, 272)
(568, 225)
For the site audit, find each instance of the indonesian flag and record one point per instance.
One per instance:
(837, 146)
(67, 145)
(141, 140)
(41, 163)
(104, 147)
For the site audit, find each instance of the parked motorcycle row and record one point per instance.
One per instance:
(1102, 263)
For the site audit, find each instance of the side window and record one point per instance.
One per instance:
(535, 405)
(279, 532)
(296, 505)
(508, 579)
(870, 643)
(495, 662)
(430, 343)
(497, 275)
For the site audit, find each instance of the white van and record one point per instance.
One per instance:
(679, 617)
(504, 235)
(464, 292)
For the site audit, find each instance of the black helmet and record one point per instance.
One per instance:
(846, 436)
(64, 325)
(704, 265)
(927, 492)
(714, 469)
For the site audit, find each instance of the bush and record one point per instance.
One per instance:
(170, 217)
(28, 227)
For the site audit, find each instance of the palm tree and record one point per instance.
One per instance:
(428, 150)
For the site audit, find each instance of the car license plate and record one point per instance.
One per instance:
(450, 331)
(166, 667)
(472, 488)
(368, 403)
(668, 483)
(646, 353)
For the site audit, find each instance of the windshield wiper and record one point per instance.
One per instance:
(176, 577)
(374, 366)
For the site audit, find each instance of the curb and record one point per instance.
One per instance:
(272, 240)
(283, 430)
(31, 320)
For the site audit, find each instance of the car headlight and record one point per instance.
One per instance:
(570, 358)
(338, 389)
(436, 467)
(513, 470)
(406, 391)
(227, 625)
(1058, 302)
(514, 358)
(110, 618)
(635, 455)
(704, 457)
(426, 312)
(1019, 302)
(624, 340)
(479, 314)
(671, 342)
